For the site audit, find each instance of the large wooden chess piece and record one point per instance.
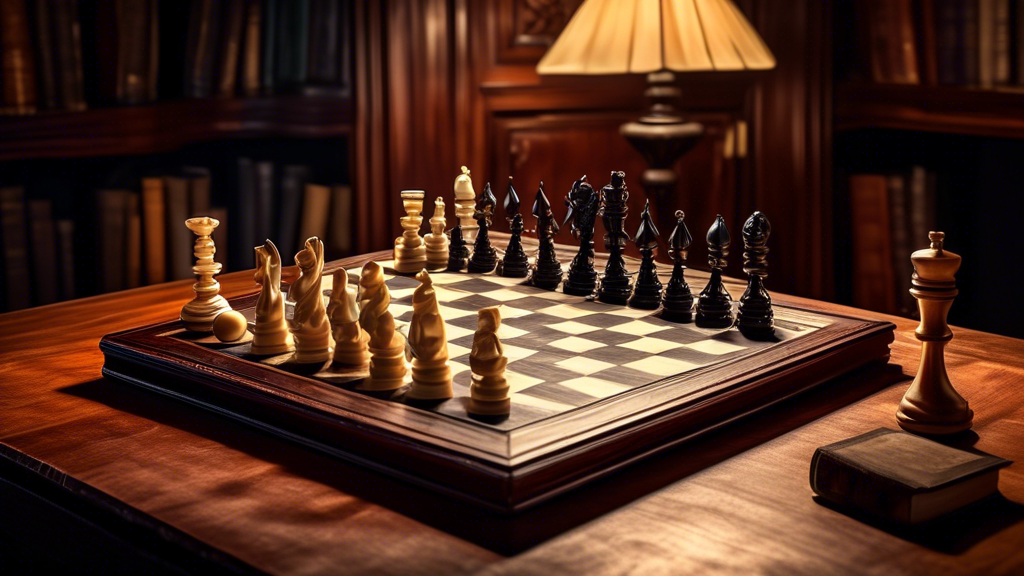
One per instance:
(488, 394)
(931, 404)
(387, 347)
(515, 263)
(200, 312)
(583, 204)
(271, 335)
(714, 305)
(465, 204)
(437, 240)
(350, 340)
(755, 318)
(547, 271)
(458, 252)
(309, 324)
(647, 291)
(485, 258)
(431, 374)
(410, 252)
(677, 303)
(616, 285)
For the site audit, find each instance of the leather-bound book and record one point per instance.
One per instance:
(113, 231)
(202, 48)
(154, 230)
(17, 65)
(46, 55)
(340, 233)
(874, 287)
(230, 46)
(68, 42)
(249, 82)
(315, 211)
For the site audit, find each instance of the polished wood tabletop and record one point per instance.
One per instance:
(736, 500)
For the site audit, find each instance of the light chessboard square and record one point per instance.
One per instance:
(651, 345)
(716, 347)
(576, 344)
(575, 328)
(595, 387)
(661, 366)
(582, 365)
(638, 328)
(567, 311)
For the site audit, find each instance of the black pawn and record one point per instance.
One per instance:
(515, 263)
(547, 272)
(616, 285)
(485, 258)
(714, 305)
(677, 304)
(647, 291)
(583, 203)
(458, 252)
(755, 318)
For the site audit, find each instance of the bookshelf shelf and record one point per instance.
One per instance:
(994, 113)
(168, 125)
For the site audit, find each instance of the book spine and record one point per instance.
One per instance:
(230, 46)
(201, 53)
(927, 58)
(66, 242)
(899, 226)
(986, 42)
(903, 47)
(315, 210)
(293, 184)
(69, 56)
(46, 56)
(153, 50)
(873, 285)
(880, 40)
(340, 233)
(178, 235)
(17, 66)
(154, 229)
(133, 241)
(846, 485)
(13, 234)
(269, 70)
(252, 49)
(970, 41)
(1001, 44)
(112, 236)
(44, 252)
(199, 191)
(946, 34)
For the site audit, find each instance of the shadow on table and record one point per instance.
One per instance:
(501, 533)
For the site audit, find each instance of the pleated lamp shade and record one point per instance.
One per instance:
(641, 36)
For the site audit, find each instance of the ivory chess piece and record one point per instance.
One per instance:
(931, 404)
(515, 263)
(616, 286)
(387, 347)
(309, 325)
(647, 290)
(200, 312)
(458, 252)
(677, 302)
(714, 305)
(465, 205)
(271, 335)
(488, 394)
(437, 240)
(431, 374)
(484, 258)
(410, 252)
(350, 340)
(230, 326)
(755, 317)
(582, 203)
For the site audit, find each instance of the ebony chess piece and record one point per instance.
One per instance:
(547, 272)
(484, 256)
(458, 252)
(515, 263)
(647, 291)
(677, 303)
(583, 203)
(714, 305)
(616, 285)
(755, 318)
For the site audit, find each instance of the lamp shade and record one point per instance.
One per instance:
(641, 36)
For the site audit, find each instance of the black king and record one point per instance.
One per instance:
(615, 285)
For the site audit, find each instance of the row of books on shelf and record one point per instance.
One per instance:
(215, 47)
(139, 237)
(969, 42)
(890, 217)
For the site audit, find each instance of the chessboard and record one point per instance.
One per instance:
(594, 386)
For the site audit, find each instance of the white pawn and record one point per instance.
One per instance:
(410, 252)
(350, 340)
(309, 323)
(437, 240)
(489, 390)
(270, 336)
(431, 375)
(465, 205)
(387, 347)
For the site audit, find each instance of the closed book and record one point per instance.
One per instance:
(1002, 42)
(201, 49)
(44, 252)
(880, 40)
(113, 232)
(292, 43)
(969, 41)
(947, 37)
(293, 186)
(899, 227)
(986, 42)
(920, 210)
(265, 215)
(340, 233)
(873, 284)
(220, 236)
(46, 55)
(66, 257)
(903, 47)
(17, 64)
(268, 54)
(927, 44)
(154, 230)
(249, 83)
(902, 477)
(133, 241)
(323, 58)
(14, 235)
(68, 42)
(315, 210)
(179, 238)
(198, 190)
(230, 46)
(245, 210)
(135, 43)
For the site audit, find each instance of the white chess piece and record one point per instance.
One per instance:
(309, 323)
(410, 252)
(437, 240)
(387, 347)
(270, 336)
(350, 341)
(465, 205)
(200, 312)
(489, 390)
(431, 374)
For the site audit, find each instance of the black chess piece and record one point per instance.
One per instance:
(458, 251)
(547, 272)
(485, 258)
(647, 291)
(714, 305)
(583, 203)
(616, 286)
(677, 304)
(755, 319)
(515, 263)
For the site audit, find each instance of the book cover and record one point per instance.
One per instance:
(947, 37)
(154, 230)
(44, 252)
(17, 64)
(14, 235)
(903, 48)
(873, 285)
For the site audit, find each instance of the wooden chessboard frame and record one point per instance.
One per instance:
(507, 471)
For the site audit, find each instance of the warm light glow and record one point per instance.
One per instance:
(641, 36)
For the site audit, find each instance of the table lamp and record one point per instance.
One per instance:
(657, 38)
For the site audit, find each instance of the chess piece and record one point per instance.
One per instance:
(271, 335)
(437, 240)
(410, 252)
(931, 404)
(387, 347)
(309, 325)
(488, 394)
(755, 318)
(458, 252)
(200, 312)
(350, 340)
(230, 326)
(547, 271)
(484, 256)
(515, 263)
(431, 375)
(647, 291)
(465, 205)
(616, 285)
(583, 204)
(677, 303)
(714, 305)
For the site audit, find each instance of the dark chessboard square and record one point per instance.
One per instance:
(546, 371)
(475, 285)
(537, 338)
(602, 320)
(474, 302)
(406, 316)
(530, 322)
(609, 337)
(464, 341)
(405, 300)
(400, 282)
(692, 356)
(560, 394)
(530, 303)
(626, 376)
(683, 334)
(469, 322)
(616, 354)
